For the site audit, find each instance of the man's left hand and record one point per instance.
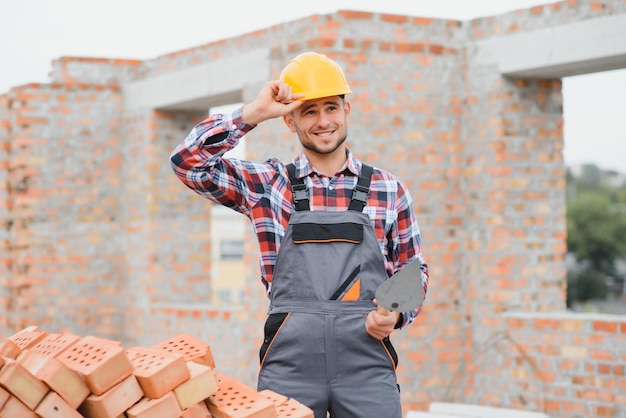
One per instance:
(379, 325)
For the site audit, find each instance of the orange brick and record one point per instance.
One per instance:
(4, 396)
(157, 371)
(53, 406)
(198, 410)
(14, 408)
(104, 341)
(191, 348)
(22, 384)
(605, 326)
(31, 361)
(286, 407)
(54, 344)
(276, 398)
(8, 348)
(101, 364)
(198, 387)
(65, 382)
(237, 400)
(294, 409)
(27, 339)
(113, 402)
(163, 407)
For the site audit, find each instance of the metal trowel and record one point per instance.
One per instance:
(403, 291)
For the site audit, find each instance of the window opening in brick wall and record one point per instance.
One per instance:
(594, 134)
(231, 250)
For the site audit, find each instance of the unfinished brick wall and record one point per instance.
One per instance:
(101, 238)
(63, 162)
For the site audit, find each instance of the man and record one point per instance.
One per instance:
(330, 230)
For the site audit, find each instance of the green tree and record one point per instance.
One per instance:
(596, 227)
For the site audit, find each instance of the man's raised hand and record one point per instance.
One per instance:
(275, 99)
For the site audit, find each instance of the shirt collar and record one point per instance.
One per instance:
(304, 168)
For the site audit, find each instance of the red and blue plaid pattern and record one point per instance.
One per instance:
(261, 191)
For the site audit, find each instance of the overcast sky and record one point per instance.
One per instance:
(34, 32)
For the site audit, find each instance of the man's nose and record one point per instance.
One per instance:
(323, 120)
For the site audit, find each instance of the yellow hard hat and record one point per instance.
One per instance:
(315, 75)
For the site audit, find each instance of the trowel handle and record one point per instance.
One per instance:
(382, 311)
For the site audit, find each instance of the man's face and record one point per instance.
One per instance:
(321, 124)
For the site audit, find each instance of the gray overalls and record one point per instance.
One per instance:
(316, 349)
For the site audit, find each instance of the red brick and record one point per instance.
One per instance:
(8, 348)
(4, 396)
(190, 347)
(199, 410)
(53, 406)
(113, 402)
(157, 371)
(100, 363)
(198, 387)
(237, 400)
(276, 398)
(605, 326)
(355, 14)
(14, 408)
(64, 381)
(294, 409)
(27, 339)
(22, 384)
(285, 407)
(163, 407)
(54, 344)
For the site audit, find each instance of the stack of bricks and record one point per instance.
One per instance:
(63, 375)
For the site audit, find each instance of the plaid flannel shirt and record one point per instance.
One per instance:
(261, 191)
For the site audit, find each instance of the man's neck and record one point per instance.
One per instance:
(327, 164)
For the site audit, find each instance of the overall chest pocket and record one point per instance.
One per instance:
(304, 233)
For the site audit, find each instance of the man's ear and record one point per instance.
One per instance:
(346, 108)
(288, 119)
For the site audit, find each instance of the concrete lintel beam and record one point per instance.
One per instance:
(201, 86)
(577, 48)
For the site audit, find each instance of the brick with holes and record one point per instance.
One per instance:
(54, 344)
(53, 406)
(157, 371)
(276, 398)
(22, 384)
(191, 348)
(198, 387)
(294, 409)
(237, 400)
(113, 402)
(164, 407)
(27, 339)
(101, 364)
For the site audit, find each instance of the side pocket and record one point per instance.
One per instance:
(272, 325)
(391, 352)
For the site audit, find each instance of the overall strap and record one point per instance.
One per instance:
(361, 191)
(298, 188)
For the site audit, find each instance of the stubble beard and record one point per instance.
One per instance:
(312, 147)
